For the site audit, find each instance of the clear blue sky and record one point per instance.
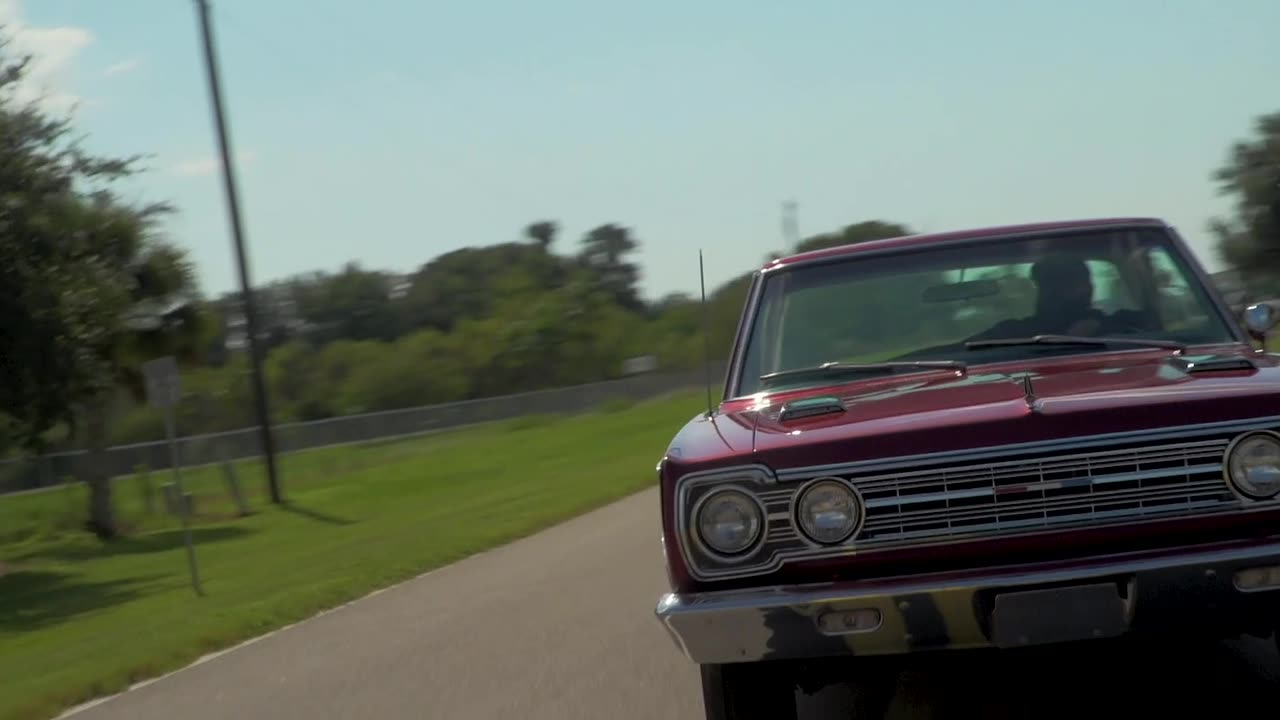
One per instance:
(391, 132)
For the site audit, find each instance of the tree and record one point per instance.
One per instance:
(56, 291)
(543, 233)
(1249, 241)
(160, 315)
(395, 379)
(539, 338)
(853, 234)
(459, 285)
(291, 371)
(86, 289)
(604, 251)
(354, 304)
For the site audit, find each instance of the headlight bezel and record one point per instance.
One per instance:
(859, 506)
(750, 549)
(1227, 456)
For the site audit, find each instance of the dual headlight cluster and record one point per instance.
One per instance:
(1253, 465)
(731, 521)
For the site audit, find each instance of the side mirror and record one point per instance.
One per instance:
(1259, 319)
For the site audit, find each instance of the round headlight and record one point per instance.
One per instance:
(1253, 465)
(729, 521)
(829, 511)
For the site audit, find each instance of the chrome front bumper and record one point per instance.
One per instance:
(1181, 592)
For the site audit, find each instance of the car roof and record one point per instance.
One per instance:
(973, 233)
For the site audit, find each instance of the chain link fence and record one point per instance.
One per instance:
(27, 474)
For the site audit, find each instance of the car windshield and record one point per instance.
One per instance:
(941, 304)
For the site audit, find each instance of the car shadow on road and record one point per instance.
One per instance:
(36, 599)
(1138, 677)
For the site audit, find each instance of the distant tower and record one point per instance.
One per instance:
(790, 226)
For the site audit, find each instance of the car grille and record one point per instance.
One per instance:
(1035, 493)
(986, 494)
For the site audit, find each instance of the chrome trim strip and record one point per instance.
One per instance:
(1068, 502)
(1081, 518)
(749, 472)
(998, 236)
(1087, 461)
(1046, 485)
(925, 460)
(757, 543)
(858, 501)
(742, 336)
(1226, 465)
(756, 474)
(747, 625)
(1207, 285)
(1002, 576)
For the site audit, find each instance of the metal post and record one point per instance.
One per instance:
(790, 226)
(706, 333)
(184, 509)
(246, 289)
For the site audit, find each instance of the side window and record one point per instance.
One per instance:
(1175, 299)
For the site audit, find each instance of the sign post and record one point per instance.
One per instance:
(163, 392)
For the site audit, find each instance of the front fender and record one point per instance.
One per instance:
(666, 564)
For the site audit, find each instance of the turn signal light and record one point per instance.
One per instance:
(1263, 578)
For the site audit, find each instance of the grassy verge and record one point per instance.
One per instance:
(79, 619)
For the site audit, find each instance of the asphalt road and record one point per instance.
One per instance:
(560, 625)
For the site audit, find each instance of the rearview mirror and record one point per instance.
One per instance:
(960, 291)
(1259, 319)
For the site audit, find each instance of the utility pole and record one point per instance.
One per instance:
(790, 226)
(246, 287)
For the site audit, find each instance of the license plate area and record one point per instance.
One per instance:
(1058, 614)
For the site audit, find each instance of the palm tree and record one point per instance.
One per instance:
(159, 314)
(604, 251)
(543, 233)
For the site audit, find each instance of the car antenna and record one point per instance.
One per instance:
(706, 331)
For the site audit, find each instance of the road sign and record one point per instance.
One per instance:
(641, 364)
(164, 392)
(163, 387)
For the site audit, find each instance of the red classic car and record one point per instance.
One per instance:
(993, 438)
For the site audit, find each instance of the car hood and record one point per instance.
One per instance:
(940, 411)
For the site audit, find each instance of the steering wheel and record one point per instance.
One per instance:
(1129, 321)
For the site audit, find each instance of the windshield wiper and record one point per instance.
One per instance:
(835, 369)
(1076, 340)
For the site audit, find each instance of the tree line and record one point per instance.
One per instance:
(1248, 239)
(475, 322)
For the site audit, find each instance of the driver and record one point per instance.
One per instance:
(1064, 303)
(1064, 297)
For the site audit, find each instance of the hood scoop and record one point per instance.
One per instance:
(1214, 364)
(810, 407)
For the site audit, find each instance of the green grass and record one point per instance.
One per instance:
(79, 618)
